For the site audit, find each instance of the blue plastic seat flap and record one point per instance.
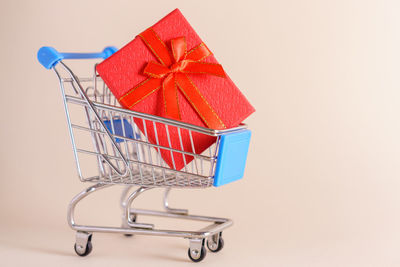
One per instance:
(232, 157)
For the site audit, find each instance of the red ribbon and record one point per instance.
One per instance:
(170, 73)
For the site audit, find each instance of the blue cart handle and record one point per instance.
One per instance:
(49, 57)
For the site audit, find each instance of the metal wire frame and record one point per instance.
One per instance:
(132, 160)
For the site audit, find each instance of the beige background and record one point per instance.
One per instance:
(322, 181)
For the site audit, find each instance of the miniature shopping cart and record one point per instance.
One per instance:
(109, 149)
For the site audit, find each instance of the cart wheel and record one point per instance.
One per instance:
(133, 219)
(87, 251)
(196, 255)
(212, 244)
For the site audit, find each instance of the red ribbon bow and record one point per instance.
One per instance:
(171, 73)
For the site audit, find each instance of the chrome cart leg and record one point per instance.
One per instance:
(79, 197)
(124, 195)
(171, 210)
(196, 251)
(83, 245)
(132, 216)
(129, 217)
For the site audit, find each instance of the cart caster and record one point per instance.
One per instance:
(83, 245)
(215, 243)
(133, 219)
(197, 251)
(83, 251)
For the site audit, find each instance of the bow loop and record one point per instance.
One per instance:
(179, 48)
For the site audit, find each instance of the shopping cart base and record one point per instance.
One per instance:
(210, 235)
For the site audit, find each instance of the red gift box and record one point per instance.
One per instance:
(169, 72)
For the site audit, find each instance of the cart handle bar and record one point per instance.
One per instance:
(49, 57)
